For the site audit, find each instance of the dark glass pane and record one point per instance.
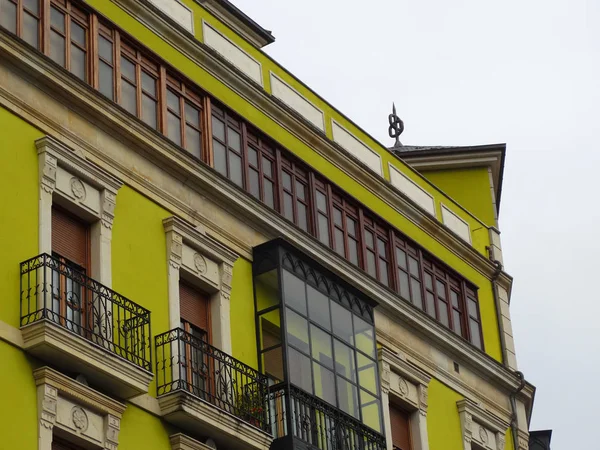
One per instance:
(297, 331)
(105, 49)
(383, 272)
(149, 110)
(174, 127)
(454, 298)
(253, 183)
(337, 217)
(57, 19)
(403, 281)
(300, 191)
(268, 191)
(339, 242)
(364, 336)
(321, 201)
(320, 346)
(341, 320)
(8, 15)
(440, 289)
(381, 247)
(273, 363)
(192, 115)
(128, 94)
(323, 229)
(371, 264)
(324, 383)
(106, 80)
(192, 141)
(475, 336)
(218, 128)
(351, 225)
(219, 157)
(294, 292)
(417, 295)
(77, 33)
(344, 360)
(148, 83)
(370, 410)
(128, 69)
(302, 219)
(267, 166)
(252, 157)
(443, 312)
(369, 239)
(367, 373)
(318, 307)
(472, 305)
(173, 102)
(456, 322)
(32, 5)
(77, 62)
(300, 370)
(288, 206)
(287, 181)
(57, 48)
(413, 266)
(428, 281)
(353, 251)
(430, 304)
(235, 168)
(347, 397)
(31, 30)
(233, 139)
(401, 258)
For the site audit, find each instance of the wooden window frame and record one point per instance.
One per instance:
(319, 186)
(348, 211)
(264, 151)
(298, 175)
(20, 11)
(239, 126)
(367, 224)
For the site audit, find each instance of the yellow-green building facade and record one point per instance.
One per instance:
(256, 271)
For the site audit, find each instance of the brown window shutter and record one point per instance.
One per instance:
(399, 420)
(70, 237)
(194, 306)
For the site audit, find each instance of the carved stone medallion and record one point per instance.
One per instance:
(200, 263)
(483, 435)
(403, 386)
(78, 189)
(79, 417)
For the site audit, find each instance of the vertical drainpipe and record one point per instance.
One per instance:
(514, 422)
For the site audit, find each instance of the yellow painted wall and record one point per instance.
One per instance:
(141, 430)
(469, 187)
(243, 329)
(443, 421)
(19, 209)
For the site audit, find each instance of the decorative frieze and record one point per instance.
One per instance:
(481, 427)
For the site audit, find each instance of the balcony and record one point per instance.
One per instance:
(314, 424)
(82, 327)
(211, 394)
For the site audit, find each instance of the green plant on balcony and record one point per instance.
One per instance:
(250, 405)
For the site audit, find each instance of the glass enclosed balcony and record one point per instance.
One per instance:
(316, 342)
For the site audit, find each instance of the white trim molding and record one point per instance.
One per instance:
(405, 385)
(68, 179)
(177, 11)
(71, 409)
(456, 224)
(357, 148)
(205, 262)
(412, 190)
(481, 427)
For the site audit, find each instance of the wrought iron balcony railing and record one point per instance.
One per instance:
(319, 424)
(54, 289)
(186, 363)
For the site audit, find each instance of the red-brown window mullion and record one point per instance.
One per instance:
(464, 300)
(434, 292)
(449, 300)
(313, 225)
(385, 257)
(244, 156)
(423, 285)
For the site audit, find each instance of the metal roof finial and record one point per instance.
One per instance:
(396, 126)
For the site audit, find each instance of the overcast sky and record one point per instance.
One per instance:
(462, 72)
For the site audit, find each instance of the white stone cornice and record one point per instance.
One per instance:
(180, 441)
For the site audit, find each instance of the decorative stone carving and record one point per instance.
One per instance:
(483, 435)
(78, 189)
(501, 441)
(200, 263)
(403, 386)
(79, 418)
(480, 425)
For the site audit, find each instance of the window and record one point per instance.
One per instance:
(27, 24)
(322, 212)
(61, 444)
(400, 426)
(408, 270)
(227, 145)
(294, 194)
(376, 250)
(345, 229)
(106, 60)
(69, 27)
(261, 169)
(474, 319)
(184, 117)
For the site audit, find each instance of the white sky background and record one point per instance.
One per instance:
(524, 72)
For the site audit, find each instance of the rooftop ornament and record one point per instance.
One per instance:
(396, 126)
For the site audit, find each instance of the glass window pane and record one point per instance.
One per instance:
(341, 320)
(219, 157)
(253, 183)
(443, 312)
(273, 363)
(57, 19)
(288, 206)
(77, 62)
(371, 264)
(287, 181)
(417, 295)
(456, 322)
(454, 298)
(302, 219)
(347, 397)
(364, 336)
(339, 242)
(300, 191)
(149, 110)
(266, 286)
(8, 15)
(440, 289)
(337, 217)
(323, 229)
(320, 343)
(294, 292)
(252, 157)
(77, 33)
(128, 95)
(430, 304)
(268, 191)
(475, 336)
(31, 30)
(428, 281)
(324, 383)
(367, 373)
(381, 244)
(106, 80)
(192, 141)
(218, 128)
(128, 69)
(105, 49)
(401, 258)
(173, 101)
(148, 83)
(370, 410)
(404, 289)
(32, 5)
(318, 307)
(267, 166)
(351, 225)
(383, 272)
(369, 239)
(57, 48)
(174, 127)
(297, 330)
(321, 201)
(235, 168)
(344, 360)
(192, 115)
(353, 251)
(233, 139)
(300, 370)
(413, 266)
(472, 305)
